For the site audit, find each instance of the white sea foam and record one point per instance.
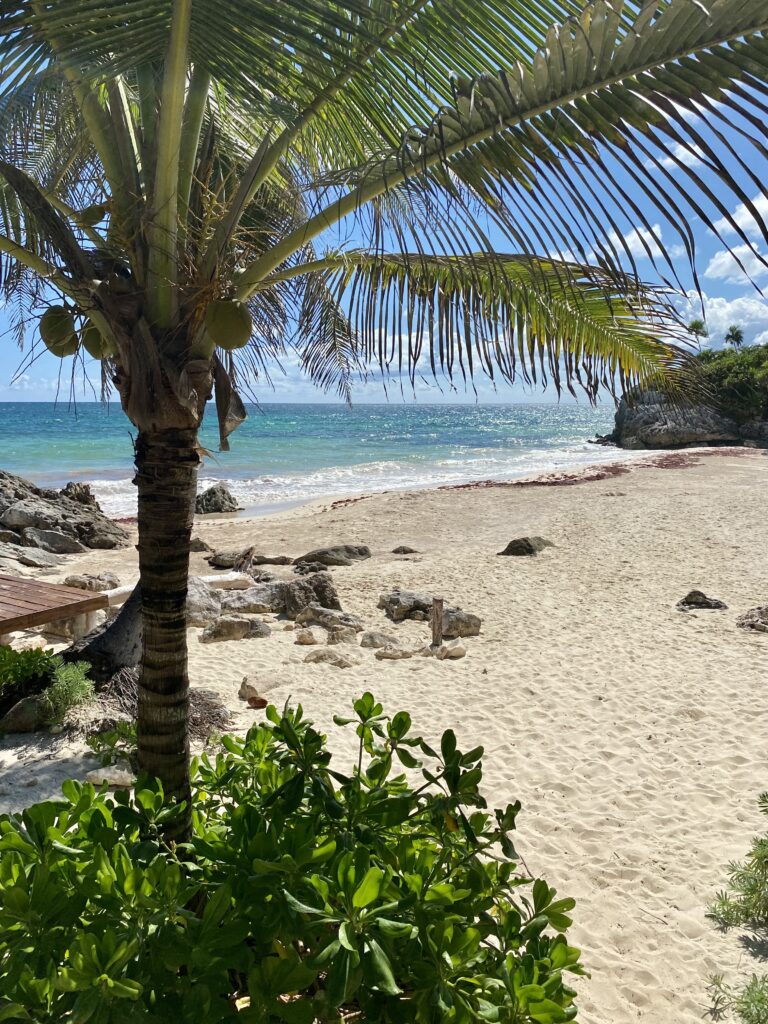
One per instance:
(265, 493)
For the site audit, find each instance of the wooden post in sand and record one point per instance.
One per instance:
(436, 620)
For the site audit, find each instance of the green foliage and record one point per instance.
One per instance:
(23, 669)
(745, 903)
(305, 895)
(736, 379)
(70, 687)
(116, 746)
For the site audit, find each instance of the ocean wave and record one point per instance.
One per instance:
(269, 492)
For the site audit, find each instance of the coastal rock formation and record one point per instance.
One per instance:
(231, 627)
(755, 618)
(339, 554)
(223, 559)
(25, 507)
(82, 493)
(403, 549)
(216, 499)
(32, 557)
(26, 715)
(458, 623)
(372, 638)
(51, 540)
(316, 588)
(305, 568)
(315, 614)
(697, 599)
(648, 419)
(526, 546)
(198, 544)
(265, 598)
(342, 635)
(305, 638)
(95, 583)
(392, 653)
(401, 604)
(325, 656)
(203, 603)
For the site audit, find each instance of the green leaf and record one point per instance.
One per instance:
(369, 889)
(382, 969)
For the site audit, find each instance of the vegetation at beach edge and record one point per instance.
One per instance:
(389, 893)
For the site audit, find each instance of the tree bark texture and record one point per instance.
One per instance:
(167, 463)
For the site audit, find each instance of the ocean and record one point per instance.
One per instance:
(288, 454)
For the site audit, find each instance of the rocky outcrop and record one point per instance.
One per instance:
(54, 521)
(82, 493)
(407, 604)
(339, 554)
(649, 419)
(696, 599)
(526, 546)
(329, 618)
(232, 627)
(96, 583)
(755, 618)
(216, 499)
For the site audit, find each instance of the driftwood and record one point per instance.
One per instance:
(436, 621)
(113, 646)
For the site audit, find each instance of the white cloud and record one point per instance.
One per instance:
(744, 218)
(724, 266)
(689, 157)
(747, 311)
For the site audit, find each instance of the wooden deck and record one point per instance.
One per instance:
(25, 603)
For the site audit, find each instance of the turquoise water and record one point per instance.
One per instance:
(291, 453)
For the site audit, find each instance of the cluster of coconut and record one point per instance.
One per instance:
(228, 325)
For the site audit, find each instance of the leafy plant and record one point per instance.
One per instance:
(116, 746)
(737, 380)
(70, 687)
(745, 903)
(23, 673)
(305, 894)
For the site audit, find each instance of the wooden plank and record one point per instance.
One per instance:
(25, 603)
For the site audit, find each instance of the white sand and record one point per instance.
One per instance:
(635, 735)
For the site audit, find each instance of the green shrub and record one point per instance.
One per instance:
(23, 671)
(736, 379)
(745, 903)
(116, 746)
(70, 687)
(306, 894)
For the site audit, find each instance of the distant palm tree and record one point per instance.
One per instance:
(180, 173)
(734, 336)
(698, 329)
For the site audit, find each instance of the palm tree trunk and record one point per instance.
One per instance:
(167, 462)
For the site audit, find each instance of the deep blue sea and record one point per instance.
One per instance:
(287, 454)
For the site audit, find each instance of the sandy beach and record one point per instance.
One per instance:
(634, 734)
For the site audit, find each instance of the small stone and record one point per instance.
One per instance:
(315, 614)
(755, 618)
(305, 637)
(289, 626)
(403, 549)
(223, 559)
(306, 568)
(451, 651)
(372, 638)
(248, 690)
(392, 653)
(198, 544)
(96, 584)
(120, 778)
(339, 554)
(342, 635)
(231, 627)
(259, 559)
(526, 546)
(419, 616)
(327, 656)
(697, 599)
(26, 715)
(258, 702)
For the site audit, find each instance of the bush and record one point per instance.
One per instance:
(305, 894)
(737, 380)
(23, 673)
(745, 903)
(70, 687)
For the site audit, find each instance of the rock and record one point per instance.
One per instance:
(755, 618)
(248, 690)
(647, 419)
(372, 638)
(26, 715)
(696, 599)
(339, 554)
(403, 549)
(216, 499)
(342, 635)
(112, 775)
(451, 651)
(526, 546)
(35, 558)
(460, 623)
(258, 702)
(393, 653)
(325, 656)
(96, 584)
(317, 588)
(198, 544)
(82, 493)
(51, 540)
(260, 600)
(258, 559)
(223, 559)
(22, 504)
(419, 616)
(289, 626)
(231, 627)
(400, 604)
(328, 617)
(10, 537)
(305, 637)
(203, 603)
(304, 568)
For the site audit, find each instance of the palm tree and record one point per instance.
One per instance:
(734, 336)
(698, 329)
(186, 173)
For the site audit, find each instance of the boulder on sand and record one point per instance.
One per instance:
(216, 499)
(95, 583)
(526, 546)
(232, 627)
(327, 656)
(755, 618)
(203, 603)
(315, 614)
(82, 493)
(458, 623)
(260, 600)
(339, 554)
(372, 638)
(696, 599)
(315, 589)
(407, 604)
(51, 540)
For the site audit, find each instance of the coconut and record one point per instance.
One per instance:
(57, 329)
(92, 215)
(228, 323)
(94, 342)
